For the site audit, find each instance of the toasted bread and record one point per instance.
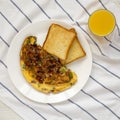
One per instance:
(58, 41)
(76, 51)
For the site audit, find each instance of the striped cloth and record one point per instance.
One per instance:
(100, 97)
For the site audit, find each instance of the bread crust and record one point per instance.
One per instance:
(76, 50)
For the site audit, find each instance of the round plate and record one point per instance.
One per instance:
(82, 67)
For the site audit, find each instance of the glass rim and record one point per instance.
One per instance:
(98, 11)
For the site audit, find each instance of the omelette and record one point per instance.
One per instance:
(42, 70)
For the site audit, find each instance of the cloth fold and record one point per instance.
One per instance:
(100, 97)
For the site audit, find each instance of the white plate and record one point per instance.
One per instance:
(81, 67)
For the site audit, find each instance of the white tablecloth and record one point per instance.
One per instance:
(100, 97)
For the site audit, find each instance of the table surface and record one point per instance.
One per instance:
(7, 114)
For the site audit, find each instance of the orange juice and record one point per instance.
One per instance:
(101, 22)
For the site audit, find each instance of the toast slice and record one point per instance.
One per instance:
(76, 51)
(58, 41)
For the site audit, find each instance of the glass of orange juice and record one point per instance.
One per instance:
(101, 22)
